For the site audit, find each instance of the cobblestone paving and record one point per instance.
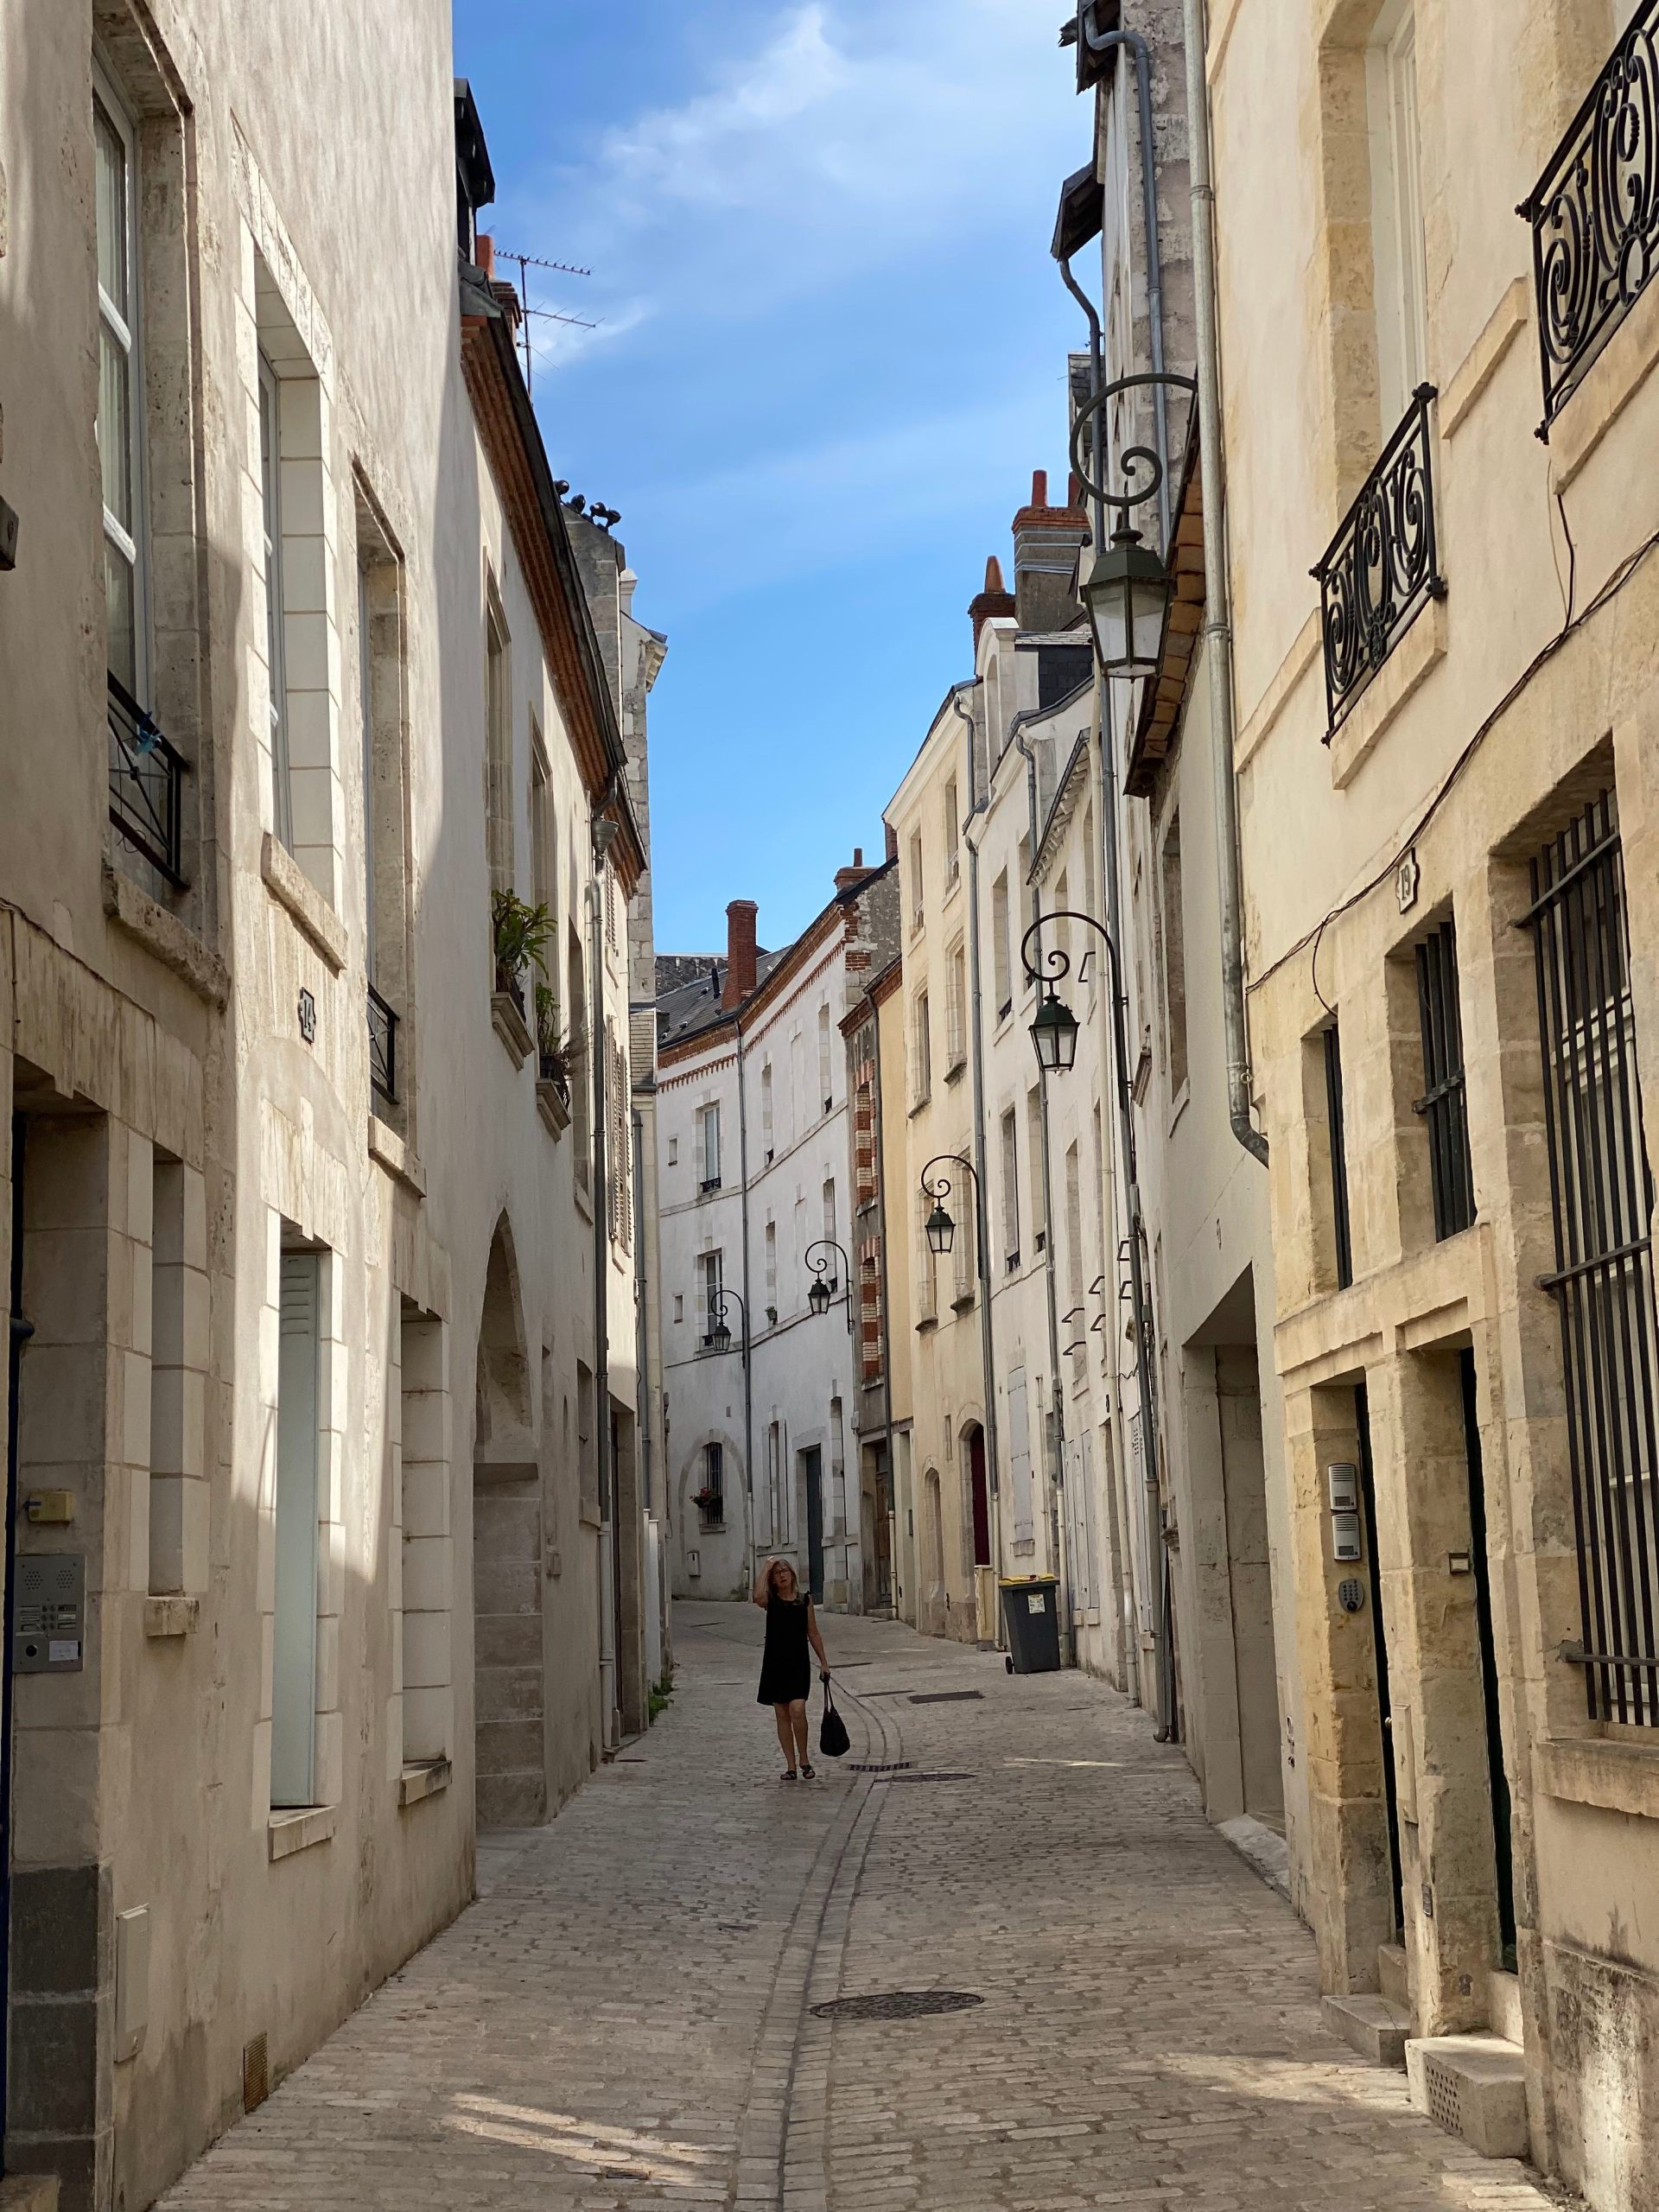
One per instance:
(624, 2020)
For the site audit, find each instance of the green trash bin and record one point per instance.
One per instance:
(1030, 1612)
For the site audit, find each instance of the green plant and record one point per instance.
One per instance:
(660, 1692)
(522, 934)
(559, 1051)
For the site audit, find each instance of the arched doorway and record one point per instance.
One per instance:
(979, 1495)
(508, 1675)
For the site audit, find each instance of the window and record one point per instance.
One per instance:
(610, 904)
(778, 1486)
(837, 1468)
(916, 880)
(709, 1146)
(766, 1110)
(826, 1065)
(581, 1084)
(299, 1404)
(1074, 1331)
(618, 1138)
(270, 483)
(953, 827)
(120, 393)
(772, 1271)
(711, 1502)
(921, 1063)
(679, 1306)
(498, 746)
(1035, 1155)
(1000, 970)
(1010, 1192)
(544, 826)
(177, 1496)
(673, 1152)
(1019, 1484)
(421, 1490)
(708, 1290)
(1444, 1105)
(381, 689)
(1401, 283)
(1025, 906)
(1333, 1108)
(927, 1293)
(1170, 916)
(955, 1010)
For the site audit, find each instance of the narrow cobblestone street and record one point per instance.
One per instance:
(625, 2018)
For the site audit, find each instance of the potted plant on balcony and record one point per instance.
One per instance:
(556, 1053)
(708, 1503)
(521, 935)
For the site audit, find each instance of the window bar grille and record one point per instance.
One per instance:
(1444, 1105)
(146, 785)
(1601, 1195)
(383, 1048)
(1338, 1157)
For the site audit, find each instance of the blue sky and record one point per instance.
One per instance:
(831, 350)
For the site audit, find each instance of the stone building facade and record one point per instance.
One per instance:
(300, 1269)
(1444, 750)
(757, 1207)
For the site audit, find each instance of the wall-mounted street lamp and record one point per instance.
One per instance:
(824, 1285)
(1128, 589)
(1054, 1031)
(941, 1225)
(719, 1334)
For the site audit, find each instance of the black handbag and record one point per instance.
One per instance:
(833, 1740)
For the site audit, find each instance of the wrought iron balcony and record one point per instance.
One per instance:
(146, 785)
(383, 1048)
(1382, 566)
(1595, 213)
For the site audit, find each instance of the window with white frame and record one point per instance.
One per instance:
(1001, 971)
(952, 828)
(709, 1146)
(766, 1110)
(916, 880)
(955, 1008)
(921, 1048)
(271, 481)
(1035, 1155)
(1010, 1164)
(498, 744)
(826, 1064)
(830, 1223)
(709, 1294)
(1400, 279)
(772, 1270)
(120, 391)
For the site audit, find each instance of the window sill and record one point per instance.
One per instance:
(386, 1147)
(169, 1616)
(917, 1106)
(957, 1068)
(928, 1321)
(298, 1830)
(552, 1108)
(964, 1302)
(584, 1201)
(166, 938)
(511, 1026)
(422, 1778)
(293, 890)
(1616, 1776)
(1177, 1104)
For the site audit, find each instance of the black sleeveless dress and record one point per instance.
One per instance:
(785, 1666)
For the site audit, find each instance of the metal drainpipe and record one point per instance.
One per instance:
(980, 805)
(748, 1334)
(1217, 590)
(610, 1611)
(1135, 45)
(887, 1338)
(1054, 1427)
(1140, 1306)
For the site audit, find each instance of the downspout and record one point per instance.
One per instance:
(1217, 591)
(748, 1334)
(1054, 1427)
(980, 805)
(641, 1330)
(877, 1136)
(610, 1611)
(1135, 45)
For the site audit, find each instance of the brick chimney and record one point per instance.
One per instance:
(994, 601)
(856, 873)
(740, 953)
(1046, 542)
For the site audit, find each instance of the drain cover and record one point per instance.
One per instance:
(933, 1777)
(878, 1766)
(897, 2005)
(946, 1697)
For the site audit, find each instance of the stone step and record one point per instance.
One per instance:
(1473, 2086)
(1370, 2024)
(1503, 2011)
(1393, 1974)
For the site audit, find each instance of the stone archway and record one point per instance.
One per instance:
(509, 1676)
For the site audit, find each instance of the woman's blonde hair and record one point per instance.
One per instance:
(775, 1569)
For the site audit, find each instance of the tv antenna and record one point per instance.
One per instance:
(526, 261)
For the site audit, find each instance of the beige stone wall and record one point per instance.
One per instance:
(1503, 710)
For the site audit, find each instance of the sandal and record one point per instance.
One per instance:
(788, 1775)
(808, 1774)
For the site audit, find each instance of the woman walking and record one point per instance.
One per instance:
(786, 1673)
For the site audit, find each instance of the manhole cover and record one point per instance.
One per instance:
(878, 1766)
(945, 1697)
(933, 1777)
(897, 2005)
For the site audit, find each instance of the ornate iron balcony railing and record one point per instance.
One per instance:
(146, 785)
(383, 1048)
(1382, 565)
(1595, 213)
